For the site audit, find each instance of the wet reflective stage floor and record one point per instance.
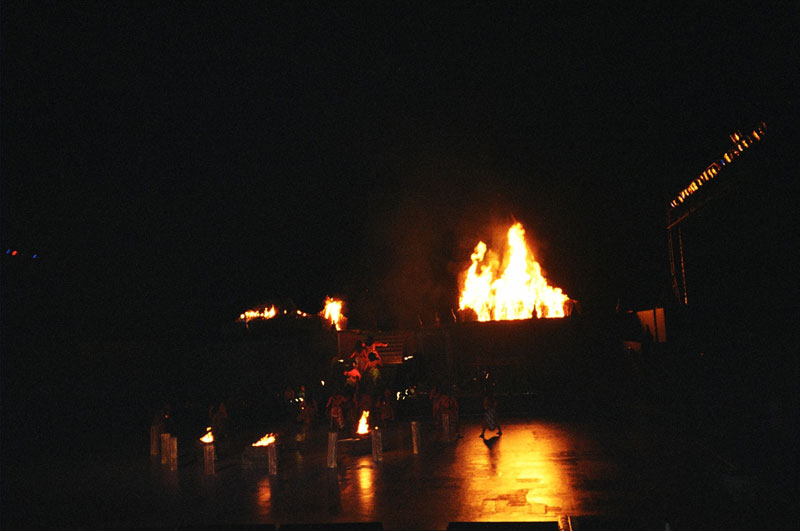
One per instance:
(642, 475)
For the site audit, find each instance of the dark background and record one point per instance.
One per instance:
(173, 165)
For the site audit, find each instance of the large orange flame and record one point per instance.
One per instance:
(363, 426)
(517, 292)
(333, 312)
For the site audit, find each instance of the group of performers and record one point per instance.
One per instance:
(446, 410)
(366, 362)
(364, 389)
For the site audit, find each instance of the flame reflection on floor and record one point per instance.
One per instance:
(515, 476)
(365, 476)
(264, 497)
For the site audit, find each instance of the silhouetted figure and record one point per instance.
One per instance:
(387, 409)
(308, 410)
(371, 347)
(434, 396)
(336, 411)
(288, 403)
(372, 375)
(219, 427)
(353, 378)
(168, 421)
(359, 356)
(448, 405)
(351, 412)
(490, 415)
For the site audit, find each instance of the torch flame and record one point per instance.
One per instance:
(363, 427)
(518, 292)
(266, 440)
(333, 312)
(208, 438)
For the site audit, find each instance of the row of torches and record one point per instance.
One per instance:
(266, 440)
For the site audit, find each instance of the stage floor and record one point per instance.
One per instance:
(643, 473)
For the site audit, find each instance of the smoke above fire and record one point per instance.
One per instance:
(418, 241)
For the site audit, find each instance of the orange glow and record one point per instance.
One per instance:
(523, 462)
(365, 483)
(333, 312)
(517, 292)
(363, 427)
(266, 440)
(263, 313)
(208, 438)
(268, 312)
(264, 497)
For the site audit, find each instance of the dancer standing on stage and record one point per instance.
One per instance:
(490, 414)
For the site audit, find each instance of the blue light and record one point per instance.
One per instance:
(8, 251)
(35, 256)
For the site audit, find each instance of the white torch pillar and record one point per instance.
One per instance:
(272, 457)
(165, 448)
(332, 437)
(377, 445)
(173, 453)
(209, 456)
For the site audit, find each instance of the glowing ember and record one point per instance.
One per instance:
(208, 437)
(263, 313)
(516, 293)
(266, 440)
(333, 312)
(363, 427)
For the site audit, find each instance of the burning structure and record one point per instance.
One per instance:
(331, 313)
(511, 287)
(509, 315)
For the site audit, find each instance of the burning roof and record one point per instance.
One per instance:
(332, 313)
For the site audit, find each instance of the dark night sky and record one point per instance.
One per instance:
(176, 164)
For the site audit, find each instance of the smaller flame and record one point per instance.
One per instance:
(333, 312)
(266, 440)
(208, 437)
(363, 427)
